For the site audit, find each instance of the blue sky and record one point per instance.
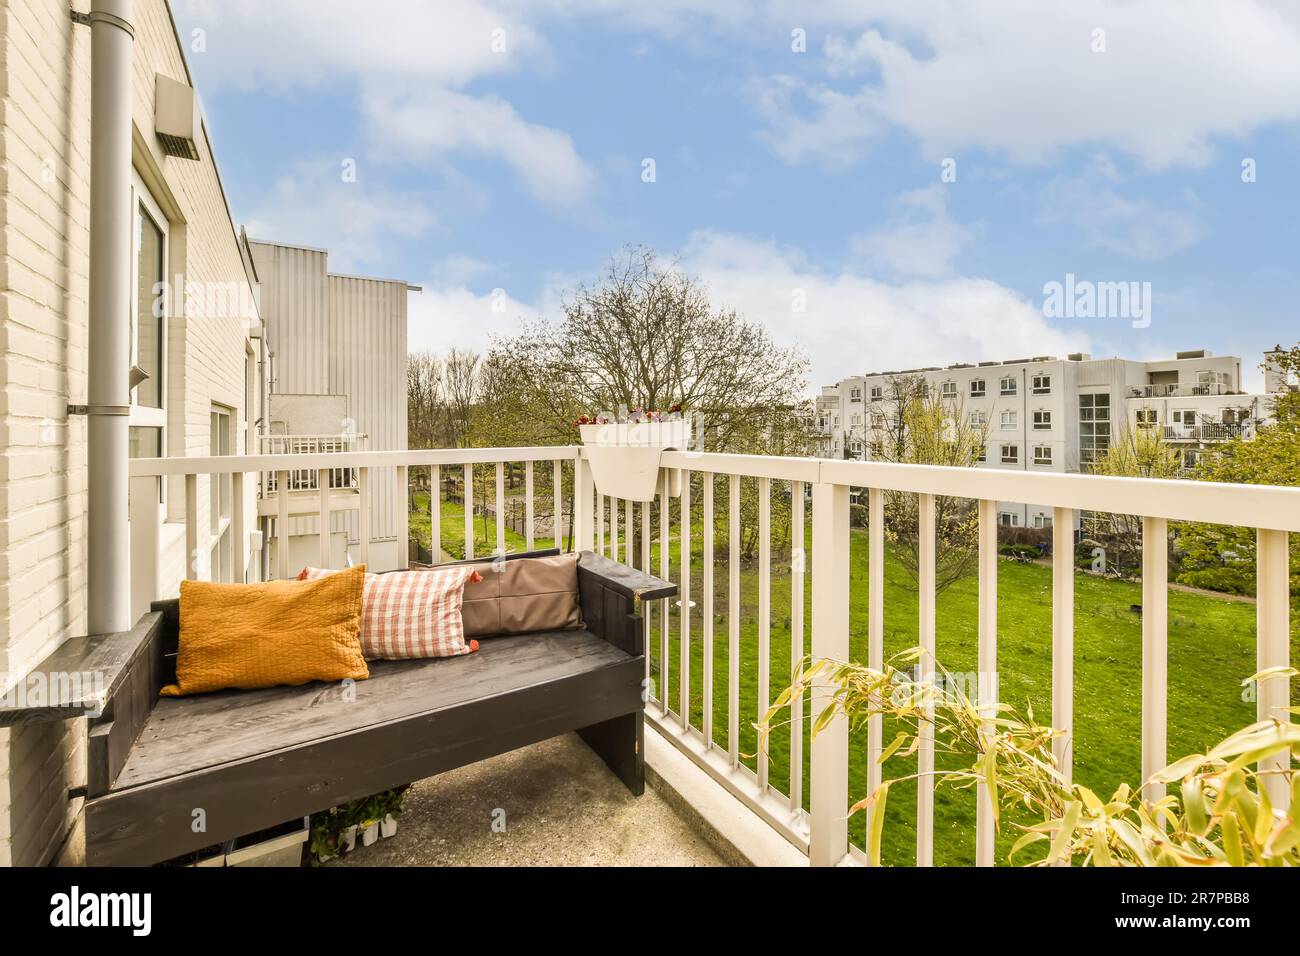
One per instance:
(499, 150)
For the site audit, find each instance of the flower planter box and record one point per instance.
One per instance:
(388, 826)
(624, 456)
(277, 846)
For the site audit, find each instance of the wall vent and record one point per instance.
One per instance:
(177, 120)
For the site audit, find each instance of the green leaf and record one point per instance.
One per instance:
(1232, 841)
(1065, 833)
(878, 823)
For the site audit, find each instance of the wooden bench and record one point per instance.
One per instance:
(240, 761)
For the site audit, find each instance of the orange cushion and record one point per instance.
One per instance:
(261, 635)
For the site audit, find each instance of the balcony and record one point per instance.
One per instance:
(774, 563)
(304, 484)
(1173, 390)
(1207, 432)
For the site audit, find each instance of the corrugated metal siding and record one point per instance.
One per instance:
(294, 304)
(367, 362)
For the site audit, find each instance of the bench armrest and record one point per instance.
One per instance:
(610, 595)
(81, 676)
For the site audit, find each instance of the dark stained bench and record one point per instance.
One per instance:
(242, 761)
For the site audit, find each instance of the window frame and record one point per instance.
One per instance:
(1008, 420)
(1037, 389)
(1014, 457)
(1040, 459)
(981, 391)
(143, 202)
(1003, 388)
(1042, 420)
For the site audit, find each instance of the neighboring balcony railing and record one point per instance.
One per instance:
(299, 479)
(705, 709)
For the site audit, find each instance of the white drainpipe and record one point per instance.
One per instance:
(108, 394)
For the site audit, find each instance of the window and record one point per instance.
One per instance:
(1042, 454)
(1094, 426)
(1190, 456)
(1183, 416)
(1009, 419)
(148, 417)
(949, 390)
(1042, 421)
(876, 393)
(983, 455)
(977, 388)
(1042, 384)
(979, 418)
(855, 394)
(220, 495)
(1010, 454)
(1042, 521)
(1009, 519)
(1008, 385)
(855, 419)
(1146, 418)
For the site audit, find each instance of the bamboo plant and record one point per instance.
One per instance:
(1218, 811)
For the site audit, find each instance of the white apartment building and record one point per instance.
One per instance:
(205, 368)
(1053, 414)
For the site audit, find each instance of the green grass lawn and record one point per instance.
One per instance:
(1211, 650)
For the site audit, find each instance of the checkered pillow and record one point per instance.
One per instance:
(407, 614)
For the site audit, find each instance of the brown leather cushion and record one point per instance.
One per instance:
(527, 594)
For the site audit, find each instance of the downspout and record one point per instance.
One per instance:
(109, 354)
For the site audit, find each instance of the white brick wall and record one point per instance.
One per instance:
(44, 223)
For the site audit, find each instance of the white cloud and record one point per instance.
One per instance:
(410, 60)
(1140, 229)
(1020, 77)
(360, 225)
(855, 323)
(921, 240)
(446, 316)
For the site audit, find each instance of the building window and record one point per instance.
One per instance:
(1010, 454)
(1183, 416)
(983, 455)
(876, 393)
(1042, 521)
(1094, 426)
(1042, 421)
(1009, 419)
(979, 418)
(149, 311)
(220, 494)
(977, 389)
(1190, 457)
(855, 394)
(1008, 385)
(855, 419)
(1042, 454)
(1042, 384)
(949, 390)
(1009, 519)
(1146, 417)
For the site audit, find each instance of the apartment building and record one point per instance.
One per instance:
(337, 382)
(1052, 414)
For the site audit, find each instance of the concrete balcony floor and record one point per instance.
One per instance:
(562, 807)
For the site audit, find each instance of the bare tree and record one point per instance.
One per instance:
(646, 336)
(426, 405)
(463, 389)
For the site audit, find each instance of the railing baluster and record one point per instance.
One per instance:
(1155, 653)
(600, 523)
(665, 618)
(1063, 638)
(192, 524)
(926, 629)
(764, 616)
(557, 503)
(281, 526)
(629, 537)
(684, 602)
(875, 631)
(733, 619)
(467, 499)
(797, 558)
(238, 528)
(829, 829)
(528, 506)
(323, 517)
(501, 509)
(402, 501)
(1272, 647)
(613, 528)
(706, 614)
(435, 514)
(986, 679)
(648, 607)
(363, 520)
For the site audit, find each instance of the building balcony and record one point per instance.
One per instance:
(716, 659)
(304, 484)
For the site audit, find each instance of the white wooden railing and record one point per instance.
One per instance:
(627, 530)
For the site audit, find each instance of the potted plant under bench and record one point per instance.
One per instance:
(336, 831)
